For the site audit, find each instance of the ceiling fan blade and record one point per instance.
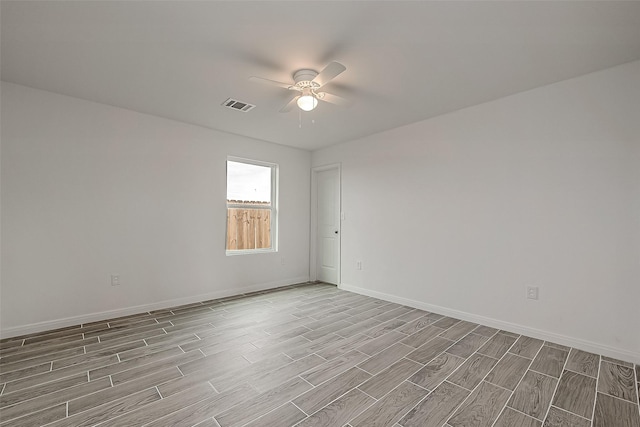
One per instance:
(269, 82)
(329, 73)
(333, 99)
(289, 105)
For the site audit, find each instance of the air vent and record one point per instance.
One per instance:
(234, 104)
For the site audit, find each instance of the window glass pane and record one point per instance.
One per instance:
(251, 204)
(248, 229)
(248, 183)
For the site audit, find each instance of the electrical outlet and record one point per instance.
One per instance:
(532, 292)
(358, 265)
(115, 279)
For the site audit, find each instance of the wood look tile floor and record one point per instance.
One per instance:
(307, 355)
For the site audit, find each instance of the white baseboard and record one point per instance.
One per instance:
(111, 314)
(580, 344)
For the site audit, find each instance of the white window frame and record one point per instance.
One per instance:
(274, 207)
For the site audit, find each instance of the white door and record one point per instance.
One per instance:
(328, 215)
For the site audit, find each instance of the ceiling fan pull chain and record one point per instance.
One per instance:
(299, 118)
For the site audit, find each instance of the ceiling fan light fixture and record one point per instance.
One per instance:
(307, 83)
(307, 102)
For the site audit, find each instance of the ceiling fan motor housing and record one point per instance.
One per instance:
(304, 78)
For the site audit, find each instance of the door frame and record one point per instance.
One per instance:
(313, 243)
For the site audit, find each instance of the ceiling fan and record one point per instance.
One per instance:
(307, 83)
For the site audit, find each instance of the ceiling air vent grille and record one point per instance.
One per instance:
(234, 104)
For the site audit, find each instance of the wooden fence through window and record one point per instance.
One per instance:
(248, 228)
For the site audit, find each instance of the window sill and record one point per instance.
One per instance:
(250, 251)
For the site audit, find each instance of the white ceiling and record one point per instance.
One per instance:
(406, 61)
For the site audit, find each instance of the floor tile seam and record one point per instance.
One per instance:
(315, 354)
(500, 360)
(336, 376)
(180, 345)
(312, 386)
(546, 375)
(208, 382)
(59, 403)
(406, 379)
(484, 379)
(358, 333)
(299, 408)
(365, 371)
(181, 373)
(446, 330)
(517, 355)
(27, 400)
(618, 364)
(28, 375)
(6, 351)
(362, 409)
(518, 411)
(195, 322)
(407, 410)
(378, 352)
(555, 390)
(121, 332)
(524, 357)
(139, 408)
(290, 401)
(320, 329)
(490, 336)
(570, 412)
(451, 373)
(267, 413)
(499, 386)
(117, 399)
(46, 382)
(551, 344)
(456, 341)
(338, 397)
(54, 335)
(522, 378)
(187, 319)
(617, 398)
(580, 373)
(122, 323)
(634, 387)
(24, 416)
(399, 341)
(503, 354)
(43, 349)
(136, 366)
(455, 409)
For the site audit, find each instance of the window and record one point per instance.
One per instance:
(251, 206)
